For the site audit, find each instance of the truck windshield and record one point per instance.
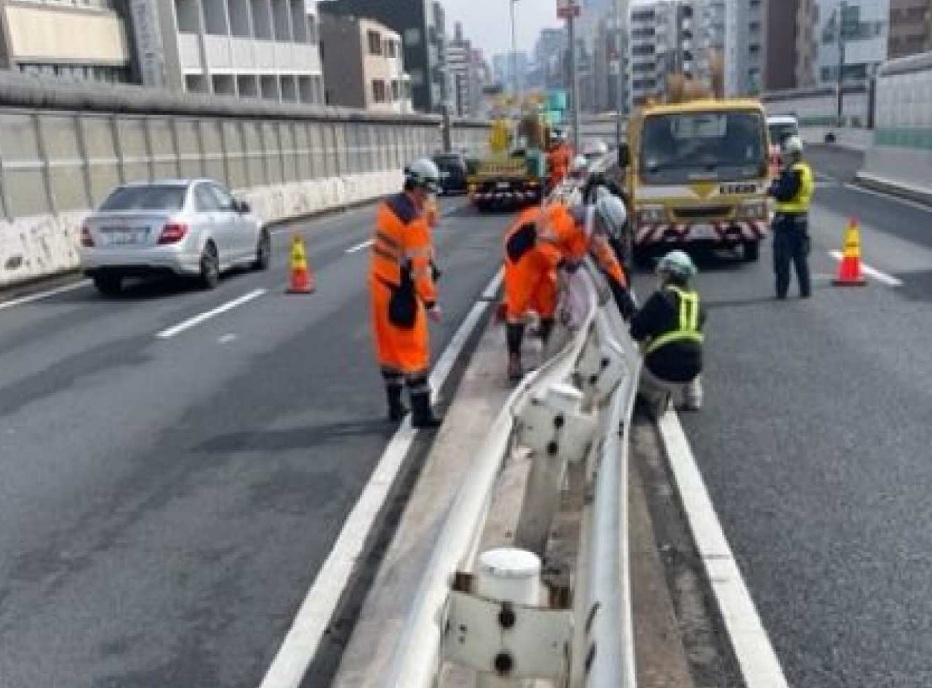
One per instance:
(683, 147)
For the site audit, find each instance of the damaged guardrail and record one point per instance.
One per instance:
(487, 612)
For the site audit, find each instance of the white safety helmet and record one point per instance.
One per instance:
(423, 173)
(611, 210)
(793, 145)
(579, 164)
(595, 149)
(678, 264)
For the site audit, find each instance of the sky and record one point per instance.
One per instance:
(487, 23)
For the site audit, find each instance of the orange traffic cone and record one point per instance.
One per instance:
(849, 270)
(302, 280)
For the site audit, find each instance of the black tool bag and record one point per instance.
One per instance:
(402, 307)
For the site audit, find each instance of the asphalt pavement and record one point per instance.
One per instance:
(814, 441)
(166, 502)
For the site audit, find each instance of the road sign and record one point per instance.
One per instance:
(567, 8)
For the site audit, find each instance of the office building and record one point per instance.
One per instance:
(910, 27)
(779, 45)
(86, 41)
(464, 64)
(249, 48)
(421, 25)
(744, 36)
(363, 66)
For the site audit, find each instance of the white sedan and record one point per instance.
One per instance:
(184, 227)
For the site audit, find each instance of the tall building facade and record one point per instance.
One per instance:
(779, 45)
(464, 64)
(864, 27)
(807, 44)
(363, 66)
(250, 48)
(910, 27)
(421, 24)
(708, 36)
(744, 35)
(87, 41)
(660, 43)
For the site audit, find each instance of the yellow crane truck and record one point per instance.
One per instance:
(696, 174)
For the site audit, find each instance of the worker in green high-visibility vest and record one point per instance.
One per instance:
(669, 329)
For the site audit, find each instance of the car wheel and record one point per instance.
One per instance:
(210, 267)
(263, 251)
(109, 285)
(751, 251)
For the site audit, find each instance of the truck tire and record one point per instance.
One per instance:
(751, 251)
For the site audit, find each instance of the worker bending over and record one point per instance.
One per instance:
(539, 244)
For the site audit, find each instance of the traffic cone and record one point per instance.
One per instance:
(302, 280)
(849, 270)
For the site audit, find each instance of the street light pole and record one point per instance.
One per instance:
(516, 87)
(574, 80)
(619, 84)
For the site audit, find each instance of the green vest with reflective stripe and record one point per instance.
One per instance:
(688, 328)
(800, 202)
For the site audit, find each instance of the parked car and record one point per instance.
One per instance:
(184, 227)
(453, 172)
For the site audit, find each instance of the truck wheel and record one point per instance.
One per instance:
(751, 251)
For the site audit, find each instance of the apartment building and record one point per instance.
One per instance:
(86, 40)
(910, 27)
(363, 64)
(248, 48)
(464, 64)
(422, 26)
(660, 42)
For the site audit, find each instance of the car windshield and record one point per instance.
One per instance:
(779, 133)
(157, 197)
(677, 148)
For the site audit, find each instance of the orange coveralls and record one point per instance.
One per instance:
(559, 160)
(534, 246)
(402, 238)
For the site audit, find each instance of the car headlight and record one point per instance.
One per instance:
(651, 214)
(753, 210)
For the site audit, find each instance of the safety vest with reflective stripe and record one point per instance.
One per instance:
(688, 326)
(402, 240)
(800, 202)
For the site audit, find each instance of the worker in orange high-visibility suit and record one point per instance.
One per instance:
(403, 293)
(559, 159)
(544, 240)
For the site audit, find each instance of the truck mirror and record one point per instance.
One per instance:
(624, 155)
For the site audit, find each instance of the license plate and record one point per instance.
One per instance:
(702, 232)
(503, 185)
(126, 237)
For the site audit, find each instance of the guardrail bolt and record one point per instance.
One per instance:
(504, 663)
(506, 617)
(558, 421)
(553, 448)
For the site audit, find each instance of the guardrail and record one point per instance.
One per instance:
(573, 411)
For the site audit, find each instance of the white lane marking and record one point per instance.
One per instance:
(198, 319)
(890, 197)
(227, 338)
(360, 247)
(825, 178)
(883, 277)
(12, 303)
(301, 643)
(756, 657)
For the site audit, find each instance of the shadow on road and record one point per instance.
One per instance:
(298, 438)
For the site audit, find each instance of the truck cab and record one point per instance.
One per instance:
(697, 175)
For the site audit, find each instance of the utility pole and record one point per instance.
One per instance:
(574, 80)
(619, 83)
(842, 6)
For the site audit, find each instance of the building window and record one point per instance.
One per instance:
(391, 48)
(378, 91)
(417, 77)
(375, 42)
(396, 90)
(412, 37)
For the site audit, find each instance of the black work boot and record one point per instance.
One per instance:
(515, 336)
(396, 408)
(422, 415)
(546, 329)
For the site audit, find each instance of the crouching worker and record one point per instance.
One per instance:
(669, 329)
